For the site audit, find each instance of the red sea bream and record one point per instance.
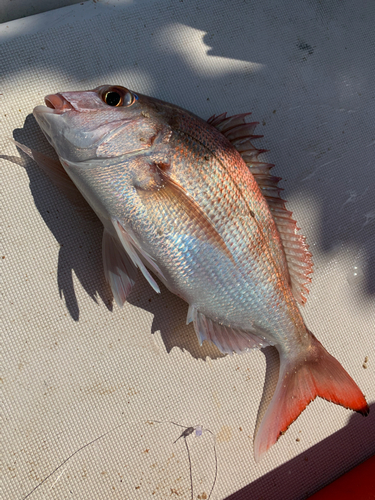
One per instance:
(190, 202)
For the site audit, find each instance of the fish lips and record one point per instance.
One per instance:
(56, 105)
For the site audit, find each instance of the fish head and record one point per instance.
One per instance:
(104, 139)
(106, 122)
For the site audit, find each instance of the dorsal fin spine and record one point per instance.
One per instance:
(240, 134)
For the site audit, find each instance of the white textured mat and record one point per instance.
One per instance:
(86, 380)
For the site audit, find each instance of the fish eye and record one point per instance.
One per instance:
(112, 98)
(118, 96)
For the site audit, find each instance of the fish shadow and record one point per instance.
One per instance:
(80, 254)
(317, 466)
(79, 238)
(343, 188)
(170, 313)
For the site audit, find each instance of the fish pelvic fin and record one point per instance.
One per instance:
(314, 372)
(135, 252)
(119, 270)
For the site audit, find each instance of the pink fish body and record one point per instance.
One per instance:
(190, 201)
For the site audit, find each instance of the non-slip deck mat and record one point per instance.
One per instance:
(93, 393)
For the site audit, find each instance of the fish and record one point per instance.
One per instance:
(190, 202)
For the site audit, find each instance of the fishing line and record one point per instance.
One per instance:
(187, 432)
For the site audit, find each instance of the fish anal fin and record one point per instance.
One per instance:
(228, 340)
(312, 373)
(119, 270)
(240, 134)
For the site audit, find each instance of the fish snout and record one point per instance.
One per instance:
(58, 103)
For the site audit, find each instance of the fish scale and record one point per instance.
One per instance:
(190, 201)
(244, 242)
(225, 175)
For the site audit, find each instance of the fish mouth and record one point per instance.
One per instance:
(46, 116)
(57, 103)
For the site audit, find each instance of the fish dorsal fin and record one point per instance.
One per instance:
(228, 340)
(240, 134)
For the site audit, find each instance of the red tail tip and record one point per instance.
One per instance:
(314, 373)
(364, 411)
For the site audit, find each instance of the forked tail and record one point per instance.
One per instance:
(313, 373)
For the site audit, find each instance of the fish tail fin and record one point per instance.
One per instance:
(313, 372)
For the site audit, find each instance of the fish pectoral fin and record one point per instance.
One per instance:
(134, 251)
(228, 340)
(56, 173)
(119, 270)
(156, 186)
